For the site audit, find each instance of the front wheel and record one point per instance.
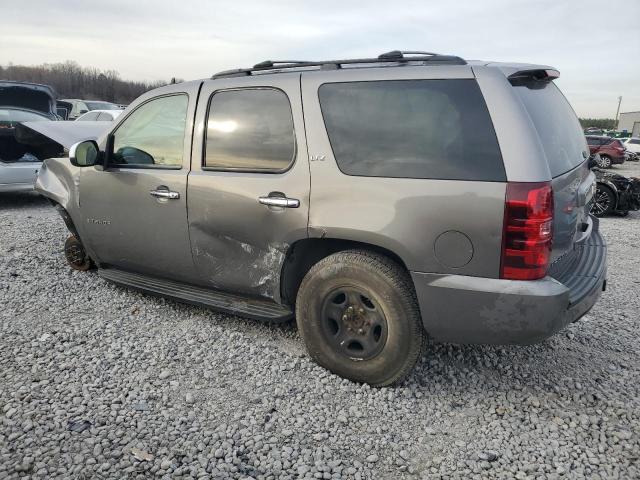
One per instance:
(76, 255)
(603, 161)
(604, 201)
(358, 316)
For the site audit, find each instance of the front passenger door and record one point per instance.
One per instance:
(135, 211)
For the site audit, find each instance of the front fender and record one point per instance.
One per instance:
(58, 180)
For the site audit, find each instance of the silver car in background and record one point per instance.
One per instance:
(377, 200)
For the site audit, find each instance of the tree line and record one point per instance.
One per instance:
(71, 80)
(603, 123)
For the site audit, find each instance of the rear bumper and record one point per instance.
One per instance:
(462, 309)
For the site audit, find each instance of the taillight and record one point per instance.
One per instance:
(527, 232)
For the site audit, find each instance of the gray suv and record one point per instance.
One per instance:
(377, 200)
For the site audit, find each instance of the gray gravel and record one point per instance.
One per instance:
(97, 381)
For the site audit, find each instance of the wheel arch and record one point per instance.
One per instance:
(66, 217)
(305, 253)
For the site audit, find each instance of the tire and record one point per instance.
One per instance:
(603, 161)
(75, 254)
(604, 201)
(375, 304)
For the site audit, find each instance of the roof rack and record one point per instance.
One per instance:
(396, 57)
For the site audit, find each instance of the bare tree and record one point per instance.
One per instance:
(70, 80)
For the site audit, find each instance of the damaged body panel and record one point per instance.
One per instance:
(173, 219)
(238, 243)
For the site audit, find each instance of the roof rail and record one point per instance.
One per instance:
(395, 56)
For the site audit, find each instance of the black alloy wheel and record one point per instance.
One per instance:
(604, 201)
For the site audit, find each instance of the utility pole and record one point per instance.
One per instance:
(618, 111)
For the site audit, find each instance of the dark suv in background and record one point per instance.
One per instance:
(377, 200)
(610, 150)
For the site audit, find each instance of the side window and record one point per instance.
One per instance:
(592, 141)
(153, 135)
(249, 129)
(438, 129)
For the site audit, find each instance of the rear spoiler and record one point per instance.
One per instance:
(533, 76)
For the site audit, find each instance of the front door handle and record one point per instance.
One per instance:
(283, 202)
(164, 193)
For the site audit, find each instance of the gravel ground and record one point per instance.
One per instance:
(97, 381)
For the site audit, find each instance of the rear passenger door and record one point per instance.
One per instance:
(248, 193)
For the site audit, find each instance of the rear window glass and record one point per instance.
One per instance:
(437, 129)
(557, 126)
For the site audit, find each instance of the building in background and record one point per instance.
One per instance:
(630, 121)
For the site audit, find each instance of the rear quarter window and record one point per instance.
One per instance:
(437, 129)
(557, 126)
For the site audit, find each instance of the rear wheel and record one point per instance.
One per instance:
(358, 316)
(75, 254)
(603, 161)
(604, 201)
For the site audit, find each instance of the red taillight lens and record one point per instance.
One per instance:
(527, 231)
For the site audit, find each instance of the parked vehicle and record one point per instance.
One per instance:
(63, 109)
(413, 193)
(80, 107)
(20, 162)
(615, 194)
(610, 150)
(632, 144)
(99, 116)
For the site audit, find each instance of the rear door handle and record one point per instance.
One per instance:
(283, 202)
(162, 193)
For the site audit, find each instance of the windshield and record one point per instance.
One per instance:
(101, 106)
(557, 126)
(10, 116)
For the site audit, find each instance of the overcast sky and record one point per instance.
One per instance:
(594, 44)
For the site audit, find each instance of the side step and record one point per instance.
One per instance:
(221, 301)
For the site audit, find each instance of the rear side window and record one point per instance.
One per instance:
(438, 129)
(250, 130)
(557, 126)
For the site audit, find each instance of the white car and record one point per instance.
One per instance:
(632, 144)
(99, 116)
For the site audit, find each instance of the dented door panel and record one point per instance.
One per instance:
(239, 244)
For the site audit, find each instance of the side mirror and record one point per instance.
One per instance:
(84, 154)
(83, 111)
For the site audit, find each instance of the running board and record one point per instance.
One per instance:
(183, 292)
